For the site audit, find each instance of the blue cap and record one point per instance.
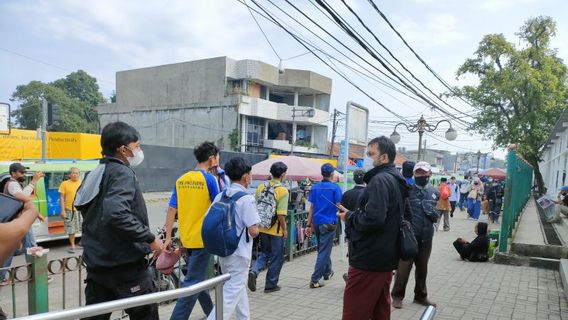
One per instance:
(327, 169)
(564, 188)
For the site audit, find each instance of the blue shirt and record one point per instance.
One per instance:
(324, 196)
(212, 187)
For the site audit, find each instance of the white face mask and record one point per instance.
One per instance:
(368, 163)
(137, 158)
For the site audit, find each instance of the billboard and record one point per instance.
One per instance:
(358, 125)
(4, 118)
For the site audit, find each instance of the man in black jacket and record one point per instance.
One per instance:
(373, 230)
(422, 202)
(116, 237)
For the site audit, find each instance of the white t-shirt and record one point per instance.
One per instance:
(246, 215)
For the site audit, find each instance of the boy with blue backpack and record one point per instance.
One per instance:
(227, 231)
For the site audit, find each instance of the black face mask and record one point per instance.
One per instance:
(21, 179)
(421, 181)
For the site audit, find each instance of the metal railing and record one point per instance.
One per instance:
(157, 297)
(517, 193)
(297, 245)
(428, 313)
(45, 282)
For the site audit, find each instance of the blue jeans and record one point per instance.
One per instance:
(325, 236)
(271, 253)
(28, 242)
(463, 201)
(197, 262)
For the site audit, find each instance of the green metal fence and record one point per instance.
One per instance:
(517, 193)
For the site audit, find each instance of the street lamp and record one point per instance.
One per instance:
(422, 126)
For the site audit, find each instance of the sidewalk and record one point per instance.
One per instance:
(463, 290)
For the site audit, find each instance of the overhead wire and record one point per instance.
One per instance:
(368, 49)
(436, 75)
(397, 60)
(304, 44)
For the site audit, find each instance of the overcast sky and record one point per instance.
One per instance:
(45, 40)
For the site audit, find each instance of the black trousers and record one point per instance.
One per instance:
(453, 205)
(462, 249)
(403, 273)
(101, 291)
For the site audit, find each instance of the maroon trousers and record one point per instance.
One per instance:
(367, 295)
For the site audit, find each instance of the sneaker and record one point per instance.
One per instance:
(345, 277)
(425, 302)
(49, 280)
(397, 303)
(329, 275)
(252, 281)
(316, 285)
(277, 288)
(71, 250)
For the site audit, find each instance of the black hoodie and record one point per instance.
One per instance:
(374, 226)
(477, 250)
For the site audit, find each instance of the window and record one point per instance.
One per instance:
(255, 131)
(280, 131)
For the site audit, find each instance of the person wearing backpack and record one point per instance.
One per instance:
(191, 198)
(455, 196)
(443, 205)
(272, 203)
(246, 220)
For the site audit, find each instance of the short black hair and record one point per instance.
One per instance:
(277, 169)
(358, 176)
(205, 150)
(116, 135)
(444, 180)
(236, 168)
(386, 146)
(408, 168)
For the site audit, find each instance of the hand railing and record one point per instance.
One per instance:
(157, 297)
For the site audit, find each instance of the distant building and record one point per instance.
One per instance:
(555, 156)
(236, 103)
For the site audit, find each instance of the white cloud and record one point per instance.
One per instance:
(438, 30)
(500, 5)
(144, 34)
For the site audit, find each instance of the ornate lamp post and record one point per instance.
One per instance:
(422, 126)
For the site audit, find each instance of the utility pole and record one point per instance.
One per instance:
(43, 130)
(333, 132)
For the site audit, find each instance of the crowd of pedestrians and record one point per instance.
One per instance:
(117, 240)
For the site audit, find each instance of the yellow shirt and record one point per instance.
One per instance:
(193, 195)
(282, 196)
(68, 189)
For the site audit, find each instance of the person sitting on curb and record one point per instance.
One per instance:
(561, 206)
(477, 250)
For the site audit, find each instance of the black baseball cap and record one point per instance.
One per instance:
(17, 167)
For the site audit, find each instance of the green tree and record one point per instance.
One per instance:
(76, 95)
(521, 90)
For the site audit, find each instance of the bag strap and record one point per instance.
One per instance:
(405, 199)
(235, 198)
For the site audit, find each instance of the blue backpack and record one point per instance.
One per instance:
(219, 230)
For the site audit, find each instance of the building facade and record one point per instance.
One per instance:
(555, 157)
(244, 105)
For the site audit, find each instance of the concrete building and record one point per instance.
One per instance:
(243, 105)
(555, 157)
